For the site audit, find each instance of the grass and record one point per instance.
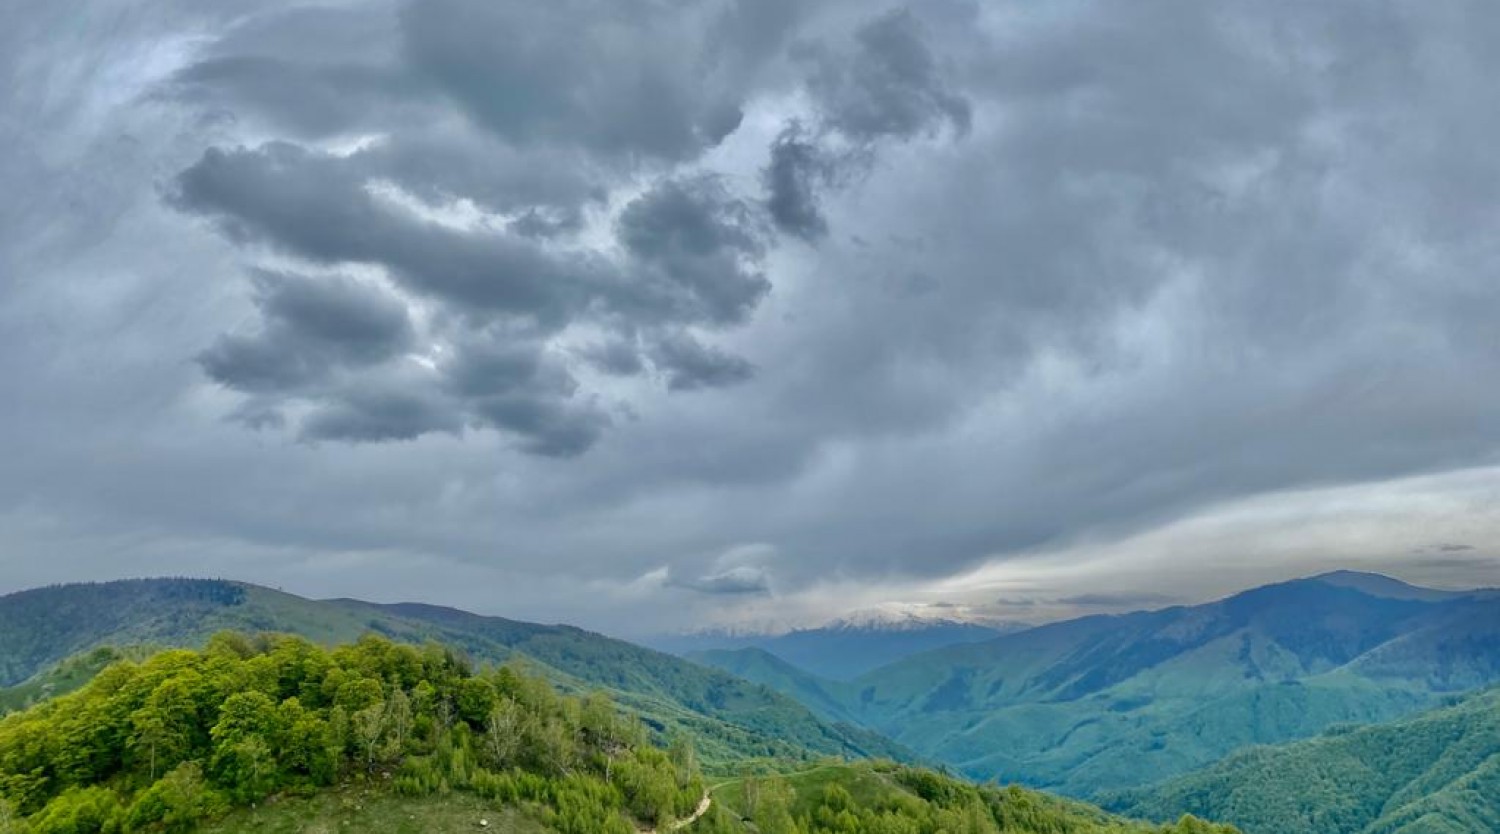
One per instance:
(361, 811)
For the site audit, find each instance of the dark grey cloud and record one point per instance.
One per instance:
(615, 357)
(885, 85)
(692, 254)
(734, 581)
(689, 364)
(699, 250)
(320, 207)
(797, 171)
(373, 414)
(888, 84)
(310, 327)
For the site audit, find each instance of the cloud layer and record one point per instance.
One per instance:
(574, 299)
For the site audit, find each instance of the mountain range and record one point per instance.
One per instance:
(1134, 710)
(731, 718)
(845, 648)
(1112, 702)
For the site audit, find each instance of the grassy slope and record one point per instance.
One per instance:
(353, 810)
(1436, 772)
(65, 677)
(732, 718)
(870, 784)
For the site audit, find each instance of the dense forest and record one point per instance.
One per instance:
(249, 727)
(186, 735)
(1438, 772)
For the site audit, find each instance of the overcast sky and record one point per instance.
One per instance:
(653, 314)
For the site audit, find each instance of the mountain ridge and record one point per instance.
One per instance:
(42, 627)
(1111, 701)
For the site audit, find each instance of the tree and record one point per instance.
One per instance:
(476, 697)
(368, 728)
(161, 727)
(602, 733)
(8, 822)
(684, 758)
(398, 720)
(176, 803)
(502, 733)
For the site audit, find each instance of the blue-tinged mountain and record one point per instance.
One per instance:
(846, 648)
(1435, 773)
(830, 699)
(730, 717)
(1113, 702)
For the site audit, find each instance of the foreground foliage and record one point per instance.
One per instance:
(186, 736)
(888, 798)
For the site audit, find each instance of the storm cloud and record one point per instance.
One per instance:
(542, 308)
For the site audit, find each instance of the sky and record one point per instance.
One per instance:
(652, 315)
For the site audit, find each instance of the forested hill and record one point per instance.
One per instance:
(1437, 773)
(1115, 702)
(731, 718)
(274, 733)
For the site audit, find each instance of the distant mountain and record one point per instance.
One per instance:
(1385, 587)
(828, 699)
(1112, 702)
(1438, 772)
(731, 717)
(845, 648)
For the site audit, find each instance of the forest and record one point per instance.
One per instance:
(226, 734)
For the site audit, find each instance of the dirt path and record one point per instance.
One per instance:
(703, 805)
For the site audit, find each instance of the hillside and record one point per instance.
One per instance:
(829, 699)
(1438, 772)
(187, 736)
(730, 717)
(1113, 702)
(275, 734)
(844, 649)
(878, 797)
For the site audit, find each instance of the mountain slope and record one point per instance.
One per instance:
(828, 699)
(732, 717)
(1436, 772)
(275, 734)
(844, 649)
(1118, 701)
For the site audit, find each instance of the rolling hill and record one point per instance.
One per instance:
(732, 718)
(1435, 773)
